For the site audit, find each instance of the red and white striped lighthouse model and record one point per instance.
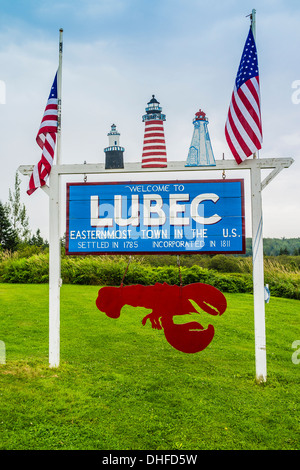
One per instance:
(154, 146)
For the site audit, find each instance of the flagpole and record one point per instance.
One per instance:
(54, 234)
(253, 28)
(253, 23)
(258, 261)
(59, 88)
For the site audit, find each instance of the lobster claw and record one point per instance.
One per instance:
(191, 337)
(207, 297)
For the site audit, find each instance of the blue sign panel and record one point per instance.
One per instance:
(156, 217)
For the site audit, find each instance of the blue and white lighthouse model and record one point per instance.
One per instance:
(200, 151)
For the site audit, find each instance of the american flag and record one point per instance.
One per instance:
(46, 139)
(243, 129)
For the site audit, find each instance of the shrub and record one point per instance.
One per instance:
(104, 270)
(233, 283)
(196, 274)
(26, 270)
(284, 289)
(225, 264)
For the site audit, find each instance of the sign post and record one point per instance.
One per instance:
(258, 275)
(54, 232)
(54, 269)
(255, 166)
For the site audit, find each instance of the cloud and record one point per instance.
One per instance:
(116, 55)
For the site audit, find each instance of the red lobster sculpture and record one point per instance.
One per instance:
(167, 301)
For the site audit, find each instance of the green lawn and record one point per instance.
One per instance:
(121, 386)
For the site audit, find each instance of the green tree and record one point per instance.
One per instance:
(284, 251)
(8, 236)
(17, 212)
(37, 239)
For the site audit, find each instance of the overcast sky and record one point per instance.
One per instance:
(117, 54)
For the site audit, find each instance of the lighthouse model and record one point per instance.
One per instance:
(154, 146)
(200, 151)
(114, 153)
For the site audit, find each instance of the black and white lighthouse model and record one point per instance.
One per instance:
(114, 153)
(154, 146)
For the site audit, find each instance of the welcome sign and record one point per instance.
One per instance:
(151, 217)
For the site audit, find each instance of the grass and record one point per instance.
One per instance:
(121, 386)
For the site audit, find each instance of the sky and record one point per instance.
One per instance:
(116, 55)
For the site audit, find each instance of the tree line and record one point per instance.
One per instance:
(14, 223)
(277, 246)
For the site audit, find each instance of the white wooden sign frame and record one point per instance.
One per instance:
(254, 165)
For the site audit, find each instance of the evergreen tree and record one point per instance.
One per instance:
(8, 236)
(17, 212)
(38, 240)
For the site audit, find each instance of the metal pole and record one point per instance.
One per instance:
(54, 235)
(253, 23)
